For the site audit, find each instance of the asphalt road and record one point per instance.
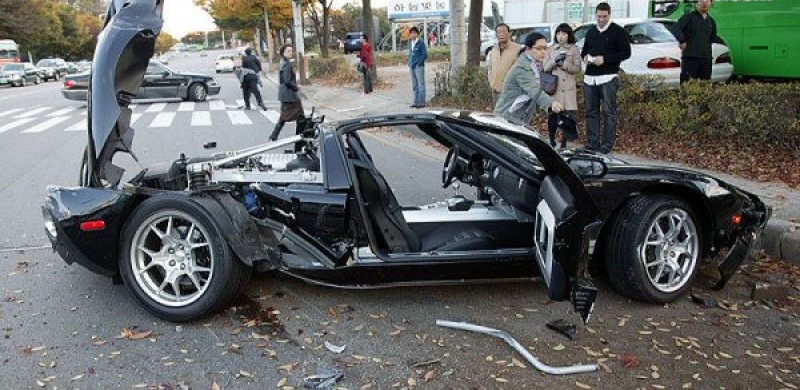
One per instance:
(63, 326)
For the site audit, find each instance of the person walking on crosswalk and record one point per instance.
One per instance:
(291, 106)
(251, 68)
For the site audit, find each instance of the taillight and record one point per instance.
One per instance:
(89, 226)
(724, 58)
(663, 63)
(69, 83)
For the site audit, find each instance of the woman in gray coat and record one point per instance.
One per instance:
(522, 89)
(564, 61)
(291, 107)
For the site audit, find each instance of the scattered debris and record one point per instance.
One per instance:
(325, 378)
(564, 327)
(706, 302)
(334, 348)
(210, 145)
(762, 291)
(519, 348)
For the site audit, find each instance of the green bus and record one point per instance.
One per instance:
(763, 35)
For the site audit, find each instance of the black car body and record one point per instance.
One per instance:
(352, 42)
(159, 82)
(19, 74)
(53, 68)
(184, 235)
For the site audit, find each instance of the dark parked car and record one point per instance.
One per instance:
(19, 74)
(184, 236)
(53, 68)
(159, 82)
(352, 42)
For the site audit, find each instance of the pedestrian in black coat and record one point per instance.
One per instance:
(291, 106)
(250, 81)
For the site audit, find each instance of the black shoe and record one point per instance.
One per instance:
(263, 107)
(246, 108)
(413, 106)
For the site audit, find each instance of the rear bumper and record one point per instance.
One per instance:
(75, 94)
(754, 219)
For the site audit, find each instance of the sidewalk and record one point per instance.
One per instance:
(781, 238)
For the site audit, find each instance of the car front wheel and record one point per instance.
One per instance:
(654, 249)
(176, 261)
(197, 92)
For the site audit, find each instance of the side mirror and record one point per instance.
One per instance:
(588, 167)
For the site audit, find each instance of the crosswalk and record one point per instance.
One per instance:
(42, 119)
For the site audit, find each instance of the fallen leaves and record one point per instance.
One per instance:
(629, 361)
(129, 334)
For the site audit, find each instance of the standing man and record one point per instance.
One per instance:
(605, 47)
(501, 58)
(417, 55)
(365, 64)
(250, 80)
(695, 32)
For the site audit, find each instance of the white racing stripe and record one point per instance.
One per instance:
(163, 119)
(271, 115)
(201, 118)
(156, 107)
(46, 124)
(33, 112)
(16, 123)
(80, 126)
(239, 118)
(186, 106)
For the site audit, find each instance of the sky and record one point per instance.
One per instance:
(182, 17)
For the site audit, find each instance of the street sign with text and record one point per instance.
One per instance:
(418, 9)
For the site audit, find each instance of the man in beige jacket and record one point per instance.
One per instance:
(500, 59)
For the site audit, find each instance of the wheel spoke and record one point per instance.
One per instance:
(194, 280)
(199, 245)
(158, 233)
(202, 269)
(189, 233)
(176, 287)
(148, 267)
(164, 283)
(153, 255)
(169, 225)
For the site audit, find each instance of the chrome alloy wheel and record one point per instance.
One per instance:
(198, 93)
(172, 259)
(670, 250)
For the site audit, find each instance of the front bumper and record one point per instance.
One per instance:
(213, 88)
(75, 94)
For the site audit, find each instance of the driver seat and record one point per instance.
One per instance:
(386, 214)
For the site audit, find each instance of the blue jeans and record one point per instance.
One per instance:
(418, 85)
(594, 94)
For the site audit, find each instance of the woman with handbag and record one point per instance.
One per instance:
(563, 60)
(365, 63)
(291, 106)
(522, 88)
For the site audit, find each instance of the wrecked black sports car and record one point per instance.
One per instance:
(184, 236)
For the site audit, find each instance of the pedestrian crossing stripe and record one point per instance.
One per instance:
(216, 105)
(33, 112)
(239, 118)
(201, 118)
(186, 106)
(271, 115)
(62, 111)
(156, 107)
(46, 124)
(83, 125)
(9, 112)
(16, 123)
(163, 119)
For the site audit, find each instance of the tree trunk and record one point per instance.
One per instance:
(474, 34)
(457, 34)
(366, 7)
(326, 30)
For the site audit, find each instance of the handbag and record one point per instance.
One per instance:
(548, 82)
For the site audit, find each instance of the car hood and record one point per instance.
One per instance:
(121, 57)
(11, 72)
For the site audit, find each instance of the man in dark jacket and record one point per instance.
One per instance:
(606, 45)
(696, 31)
(250, 80)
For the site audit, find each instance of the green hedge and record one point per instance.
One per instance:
(765, 113)
(435, 54)
(335, 68)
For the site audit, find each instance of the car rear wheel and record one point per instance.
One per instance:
(197, 92)
(654, 249)
(176, 261)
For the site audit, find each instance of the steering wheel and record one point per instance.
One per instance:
(449, 170)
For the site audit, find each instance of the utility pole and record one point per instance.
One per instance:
(458, 53)
(268, 36)
(299, 45)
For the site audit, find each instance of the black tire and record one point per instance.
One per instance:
(634, 241)
(197, 92)
(206, 252)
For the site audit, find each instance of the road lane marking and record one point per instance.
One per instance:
(271, 115)
(132, 106)
(240, 102)
(83, 125)
(62, 111)
(163, 119)
(16, 123)
(239, 118)
(134, 118)
(9, 112)
(186, 106)
(156, 107)
(46, 124)
(201, 118)
(33, 112)
(216, 105)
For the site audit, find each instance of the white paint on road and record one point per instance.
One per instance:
(35, 111)
(14, 124)
(163, 119)
(271, 115)
(62, 112)
(156, 107)
(201, 118)
(216, 105)
(46, 124)
(80, 126)
(239, 118)
(186, 106)
(134, 118)
(9, 112)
